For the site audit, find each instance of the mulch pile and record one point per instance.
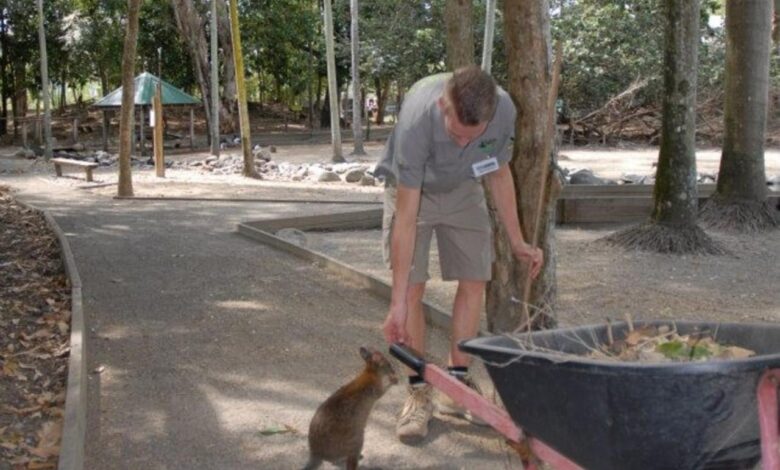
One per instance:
(34, 344)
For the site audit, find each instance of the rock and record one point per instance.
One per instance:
(706, 177)
(633, 179)
(211, 159)
(261, 154)
(272, 149)
(774, 181)
(355, 175)
(292, 235)
(328, 176)
(367, 180)
(585, 176)
(79, 147)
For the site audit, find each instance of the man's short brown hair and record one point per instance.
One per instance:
(473, 94)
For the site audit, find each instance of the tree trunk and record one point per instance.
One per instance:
(357, 99)
(776, 23)
(44, 84)
(529, 62)
(672, 227)
(740, 200)
(676, 198)
(63, 91)
(243, 111)
(214, 128)
(228, 110)
(20, 93)
(487, 46)
(192, 29)
(125, 187)
(335, 128)
(460, 33)
(382, 90)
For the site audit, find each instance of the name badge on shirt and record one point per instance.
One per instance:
(482, 168)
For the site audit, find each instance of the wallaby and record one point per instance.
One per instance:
(337, 428)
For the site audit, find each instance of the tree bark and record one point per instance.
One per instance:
(335, 128)
(529, 61)
(460, 33)
(4, 72)
(228, 110)
(191, 27)
(243, 110)
(125, 187)
(214, 62)
(740, 199)
(44, 84)
(672, 226)
(357, 98)
(675, 192)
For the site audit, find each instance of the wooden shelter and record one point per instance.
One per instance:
(145, 86)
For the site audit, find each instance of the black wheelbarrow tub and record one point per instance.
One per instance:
(624, 416)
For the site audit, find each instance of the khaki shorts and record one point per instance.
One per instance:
(463, 234)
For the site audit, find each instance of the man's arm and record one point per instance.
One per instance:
(502, 190)
(402, 239)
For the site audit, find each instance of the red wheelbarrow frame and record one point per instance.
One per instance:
(499, 420)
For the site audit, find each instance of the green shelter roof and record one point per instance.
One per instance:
(144, 92)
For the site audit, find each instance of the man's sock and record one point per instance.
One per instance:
(459, 372)
(415, 381)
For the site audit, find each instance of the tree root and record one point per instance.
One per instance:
(661, 238)
(738, 216)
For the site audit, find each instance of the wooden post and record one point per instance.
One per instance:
(142, 140)
(75, 130)
(106, 124)
(38, 131)
(192, 129)
(159, 158)
(24, 134)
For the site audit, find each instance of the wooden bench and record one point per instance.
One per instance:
(87, 166)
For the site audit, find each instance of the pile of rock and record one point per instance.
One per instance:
(358, 173)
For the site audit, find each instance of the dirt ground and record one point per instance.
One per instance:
(595, 281)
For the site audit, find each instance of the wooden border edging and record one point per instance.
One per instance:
(212, 199)
(257, 230)
(74, 426)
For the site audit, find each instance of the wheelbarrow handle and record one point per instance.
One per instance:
(409, 356)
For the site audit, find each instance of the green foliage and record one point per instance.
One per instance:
(609, 45)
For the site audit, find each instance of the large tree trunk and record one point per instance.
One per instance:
(243, 110)
(228, 109)
(214, 62)
(530, 75)
(335, 128)
(740, 200)
(192, 29)
(672, 227)
(460, 33)
(44, 84)
(125, 187)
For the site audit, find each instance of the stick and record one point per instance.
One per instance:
(550, 135)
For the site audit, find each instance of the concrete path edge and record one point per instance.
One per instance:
(75, 419)
(254, 230)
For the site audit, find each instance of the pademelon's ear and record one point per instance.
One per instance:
(365, 353)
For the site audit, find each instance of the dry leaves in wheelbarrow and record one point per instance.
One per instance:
(650, 343)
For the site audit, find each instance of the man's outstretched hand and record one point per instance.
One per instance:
(394, 327)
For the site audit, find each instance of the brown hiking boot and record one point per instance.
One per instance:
(412, 426)
(447, 406)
